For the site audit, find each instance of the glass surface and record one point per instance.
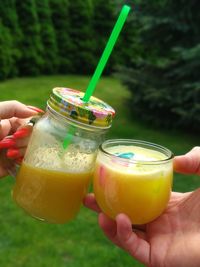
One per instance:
(52, 181)
(133, 177)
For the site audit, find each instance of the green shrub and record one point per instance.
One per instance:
(104, 18)
(9, 19)
(164, 78)
(82, 54)
(6, 56)
(60, 19)
(31, 60)
(47, 33)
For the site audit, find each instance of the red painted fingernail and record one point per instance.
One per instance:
(13, 153)
(6, 143)
(21, 133)
(36, 109)
(19, 160)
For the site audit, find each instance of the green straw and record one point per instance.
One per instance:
(106, 53)
(69, 137)
(101, 65)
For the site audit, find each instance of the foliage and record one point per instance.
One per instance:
(164, 80)
(103, 21)
(61, 36)
(47, 33)
(31, 60)
(10, 20)
(6, 57)
(60, 18)
(81, 53)
(127, 40)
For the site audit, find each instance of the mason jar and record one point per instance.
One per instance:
(59, 161)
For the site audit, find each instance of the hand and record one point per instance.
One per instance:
(173, 239)
(13, 133)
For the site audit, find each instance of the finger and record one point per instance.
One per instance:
(14, 153)
(109, 228)
(3, 172)
(21, 142)
(7, 142)
(17, 123)
(5, 128)
(18, 140)
(9, 109)
(90, 202)
(10, 126)
(188, 163)
(5, 164)
(130, 241)
(38, 110)
(23, 132)
(19, 160)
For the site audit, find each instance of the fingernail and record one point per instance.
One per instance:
(36, 109)
(21, 133)
(19, 160)
(6, 143)
(13, 153)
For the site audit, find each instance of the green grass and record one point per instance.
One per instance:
(25, 242)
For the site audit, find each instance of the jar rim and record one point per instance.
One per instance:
(140, 143)
(74, 122)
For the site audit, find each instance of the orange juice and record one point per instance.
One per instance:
(49, 195)
(61, 154)
(140, 187)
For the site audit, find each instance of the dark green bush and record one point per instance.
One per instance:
(47, 33)
(31, 60)
(6, 56)
(82, 54)
(9, 19)
(164, 79)
(104, 18)
(60, 18)
(62, 36)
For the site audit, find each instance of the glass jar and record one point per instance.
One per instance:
(59, 161)
(133, 177)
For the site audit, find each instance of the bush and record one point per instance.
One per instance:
(31, 60)
(6, 57)
(82, 54)
(47, 33)
(9, 19)
(164, 78)
(60, 19)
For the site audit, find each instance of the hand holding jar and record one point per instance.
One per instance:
(13, 115)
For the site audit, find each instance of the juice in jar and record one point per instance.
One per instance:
(140, 188)
(60, 156)
(52, 195)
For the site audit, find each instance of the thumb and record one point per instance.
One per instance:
(188, 163)
(9, 109)
(132, 242)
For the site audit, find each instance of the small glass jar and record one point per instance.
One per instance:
(133, 177)
(59, 161)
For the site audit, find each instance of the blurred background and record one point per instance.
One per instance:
(152, 81)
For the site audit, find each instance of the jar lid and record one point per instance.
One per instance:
(68, 102)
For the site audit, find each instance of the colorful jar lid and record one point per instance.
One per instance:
(68, 102)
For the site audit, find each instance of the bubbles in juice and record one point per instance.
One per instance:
(51, 186)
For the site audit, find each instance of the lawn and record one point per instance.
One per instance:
(25, 242)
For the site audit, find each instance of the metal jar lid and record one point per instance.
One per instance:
(68, 102)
